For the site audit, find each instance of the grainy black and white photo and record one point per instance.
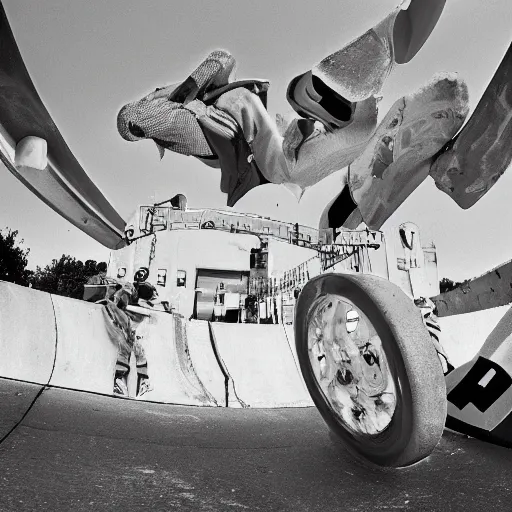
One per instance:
(254, 256)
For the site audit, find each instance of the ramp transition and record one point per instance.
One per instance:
(61, 342)
(55, 341)
(261, 365)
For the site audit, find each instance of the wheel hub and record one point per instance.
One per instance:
(350, 366)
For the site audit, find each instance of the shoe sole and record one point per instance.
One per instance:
(360, 68)
(310, 108)
(398, 158)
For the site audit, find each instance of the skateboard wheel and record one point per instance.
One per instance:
(370, 367)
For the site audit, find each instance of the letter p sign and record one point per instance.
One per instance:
(482, 385)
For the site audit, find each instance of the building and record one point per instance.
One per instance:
(218, 265)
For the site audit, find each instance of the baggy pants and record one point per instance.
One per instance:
(135, 346)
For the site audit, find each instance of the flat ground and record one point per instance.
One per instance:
(78, 451)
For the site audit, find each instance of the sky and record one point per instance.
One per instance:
(87, 59)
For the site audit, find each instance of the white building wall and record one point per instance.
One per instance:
(122, 259)
(283, 256)
(401, 277)
(189, 250)
(186, 250)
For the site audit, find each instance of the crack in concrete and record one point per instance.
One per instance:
(45, 386)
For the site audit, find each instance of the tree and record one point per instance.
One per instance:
(446, 285)
(65, 276)
(13, 258)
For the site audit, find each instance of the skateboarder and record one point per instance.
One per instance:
(225, 124)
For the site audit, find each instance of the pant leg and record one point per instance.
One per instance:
(140, 358)
(120, 330)
(140, 326)
(260, 131)
(291, 159)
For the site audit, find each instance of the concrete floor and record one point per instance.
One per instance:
(78, 451)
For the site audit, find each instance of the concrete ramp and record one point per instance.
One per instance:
(463, 335)
(290, 338)
(27, 351)
(261, 364)
(61, 342)
(86, 358)
(171, 370)
(206, 365)
(28, 335)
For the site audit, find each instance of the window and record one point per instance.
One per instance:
(161, 276)
(181, 278)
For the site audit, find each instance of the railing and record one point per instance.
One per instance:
(158, 218)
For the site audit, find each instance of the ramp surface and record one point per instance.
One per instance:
(171, 370)
(86, 357)
(28, 336)
(205, 365)
(261, 364)
(62, 342)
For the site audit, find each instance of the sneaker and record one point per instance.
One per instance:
(121, 386)
(143, 386)
(330, 91)
(312, 99)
